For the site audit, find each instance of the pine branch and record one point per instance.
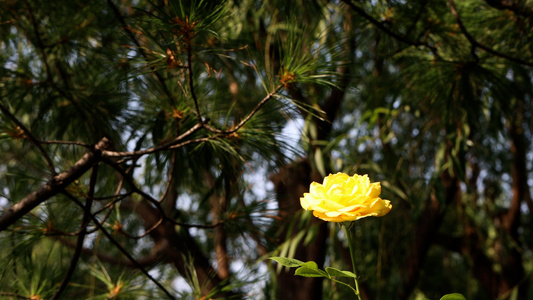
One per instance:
(175, 143)
(517, 7)
(170, 179)
(30, 136)
(8, 294)
(56, 142)
(54, 186)
(477, 44)
(81, 236)
(191, 80)
(249, 116)
(121, 249)
(174, 242)
(145, 233)
(108, 206)
(254, 234)
(157, 148)
(41, 46)
(134, 40)
(153, 201)
(382, 27)
(145, 261)
(417, 18)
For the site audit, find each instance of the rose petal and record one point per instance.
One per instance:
(329, 205)
(351, 208)
(350, 217)
(375, 190)
(304, 202)
(326, 218)
(309, 201)
(318, 190)
(332, 214)
(380, 207)
(357, 200)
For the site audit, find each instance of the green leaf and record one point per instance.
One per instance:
(319, 162)
(339, 273)
(396, 190)
(287, 262)
(308, 272)
(454, 296)
(310, 265)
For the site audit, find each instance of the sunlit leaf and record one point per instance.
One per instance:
(339, 273)
(454, 296)
(287, 262)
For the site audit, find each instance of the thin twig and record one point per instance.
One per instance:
(202, 226)
(40, 42)
(249, 116)
(154, 149)
(108, 205)
(170, 177)
(146, 232)
(134, 187)
(81, 236)
(203, 124)
(256, 109)
(200, 140)
(134, 40)
(55, 142)
(477, 44)
(389, 32)
(41, 46)
(152, 200)
(117, 196)
(121, 249)
(191, 82)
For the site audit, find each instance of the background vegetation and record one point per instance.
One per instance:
(158, 149)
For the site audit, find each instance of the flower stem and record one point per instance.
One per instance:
(350, 238)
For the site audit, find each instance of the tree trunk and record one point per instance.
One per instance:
(290, 184)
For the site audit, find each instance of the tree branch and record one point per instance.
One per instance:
(175, 143)
(382, 27)
(515, 6)
(120, 248)
(477, 44)
(81, 236)
(52, 142)
(249, 116)
(156, 204)
(157, 148)
(53, 187)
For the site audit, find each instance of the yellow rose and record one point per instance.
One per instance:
(343, 198)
